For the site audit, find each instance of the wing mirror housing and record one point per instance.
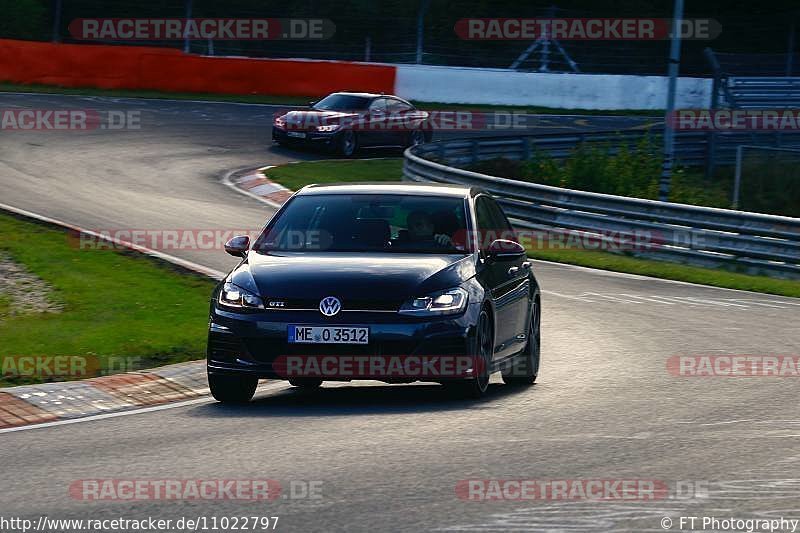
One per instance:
(238, 246)
(505, 250)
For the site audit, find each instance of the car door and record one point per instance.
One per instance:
(519, 281)
(402, 120)
(375, 129)
(508, 280)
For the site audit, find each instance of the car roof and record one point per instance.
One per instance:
(372, 95)
(364, 95)
(386, 187)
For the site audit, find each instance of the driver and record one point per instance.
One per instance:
(420, 229)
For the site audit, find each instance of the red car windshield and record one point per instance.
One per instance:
(342, 102)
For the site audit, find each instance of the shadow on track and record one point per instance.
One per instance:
(314, 153)
(357, 400)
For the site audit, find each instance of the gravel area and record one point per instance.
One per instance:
(27, 293)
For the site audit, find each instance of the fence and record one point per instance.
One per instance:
(692, 149)
(735, 84)
(703, 236)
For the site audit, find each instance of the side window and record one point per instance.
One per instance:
(378, 106)
(492, 223)
(483, 214)
(396, 106)
(500, 221)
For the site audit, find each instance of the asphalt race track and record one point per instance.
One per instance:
(390, 457)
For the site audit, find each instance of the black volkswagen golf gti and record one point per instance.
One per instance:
(396, 282)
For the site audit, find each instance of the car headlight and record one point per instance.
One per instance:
(280, 122)
(450, 302)
(328, 128)
(234, 296)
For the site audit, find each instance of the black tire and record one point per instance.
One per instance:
(525, 366)
(348, 143)
(232, 389)
(415, 138)
(306, 383)
(483, 349)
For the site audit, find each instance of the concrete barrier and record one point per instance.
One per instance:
(168, 69)
(568, 91)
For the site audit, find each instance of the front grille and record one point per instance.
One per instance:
(347, 305)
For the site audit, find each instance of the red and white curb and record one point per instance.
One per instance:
(254, 183)
(47, 402)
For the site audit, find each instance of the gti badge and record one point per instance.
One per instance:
(330, 305)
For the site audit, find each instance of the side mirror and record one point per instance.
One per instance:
(238, 246)
(312, 103)
(505, 250)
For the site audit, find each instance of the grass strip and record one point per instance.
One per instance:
(117, 304)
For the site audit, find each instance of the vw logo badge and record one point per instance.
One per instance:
(330, 305)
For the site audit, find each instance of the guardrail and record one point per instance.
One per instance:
(692, 148)
(704, 236)
(751, 92)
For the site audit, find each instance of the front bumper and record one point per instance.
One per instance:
(309, 138)
(250, 343)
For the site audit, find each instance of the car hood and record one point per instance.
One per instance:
(351, 276)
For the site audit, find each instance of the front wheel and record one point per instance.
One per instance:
(525, 366)
(232, 389)
(483, 349)
(415, 138)
(348, 143)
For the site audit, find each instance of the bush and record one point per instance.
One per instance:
(770, 184)
(634, 171)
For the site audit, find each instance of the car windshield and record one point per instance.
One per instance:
(367, 223)
(342, 102)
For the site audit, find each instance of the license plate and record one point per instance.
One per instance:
(298, 134)
(328, 335)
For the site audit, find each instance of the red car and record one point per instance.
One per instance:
(345, 122)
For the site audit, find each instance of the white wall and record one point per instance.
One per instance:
(570, 91)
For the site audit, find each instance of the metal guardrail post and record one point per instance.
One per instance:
(717, 72)
(737, 181)
(711, 154)
(526, 149)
